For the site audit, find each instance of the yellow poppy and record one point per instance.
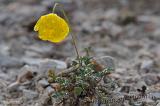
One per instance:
(52, 28)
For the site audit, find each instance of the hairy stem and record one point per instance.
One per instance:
(73, 37)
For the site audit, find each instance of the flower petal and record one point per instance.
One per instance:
(51, 27)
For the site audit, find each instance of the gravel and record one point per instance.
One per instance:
(123, 33)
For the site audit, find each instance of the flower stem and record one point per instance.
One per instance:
(55, 5)
(73, 37)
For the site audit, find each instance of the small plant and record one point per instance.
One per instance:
(82, 82)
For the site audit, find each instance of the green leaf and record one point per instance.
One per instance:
(77, 90)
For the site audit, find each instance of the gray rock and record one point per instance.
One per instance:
(149, 102)
(43, 99)
(38, 70)
(4, 49)
(1, 99)
(139, 103)
(106, 61)
(32, 61)
(59, 64)
(4, 76)
(150, 79)
(158, 103)
(111, 14)
(6, 61)
(155, 95)
(51, 64)
(27, 73)
(13, 86)
(24, 78)
(45, 64)
(49, 90)
(43, 82)
(30, 94)
(147, 64)
(114, 30)
(156, 34)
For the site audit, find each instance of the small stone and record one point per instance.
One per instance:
(1, 99)
(4, 48)
(50, 90)
(114, 30)
(43, 65)
(13, 86)
(37, 104)
(133, 44)
(4, 76)
(59, 64)
(30, 94)
(111, 14)
(51, 64)
(7, 61)
(43, 99)
(155, 95)
(106, 61)
(32, 61)
(148, 102)
(158, 103)
(115, 76)
(43, 82)
(146, 65)
(137, 103)
(27, 73)
(151, 79)
(156, 34)
(155, 87)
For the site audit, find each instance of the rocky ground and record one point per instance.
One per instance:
(127, 30)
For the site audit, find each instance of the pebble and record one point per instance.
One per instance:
(106, 61)
(45, 64)
(42, 66)
(111, 14)
(13, 86)
(151, 79)
(158, 103)
(137, 103)
(156, 34)
(4, 76)
(1, 98)
(43, 82)
(155, 95)
(29, 94)
(147, 64)
(114, 30)
(51, 64)
(155, 87)
(43, 99)
(50, 90)
(4, 49)
(8, 62)
(149, 102)
(27, 73)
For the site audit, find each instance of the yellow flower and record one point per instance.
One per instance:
(51, 27)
